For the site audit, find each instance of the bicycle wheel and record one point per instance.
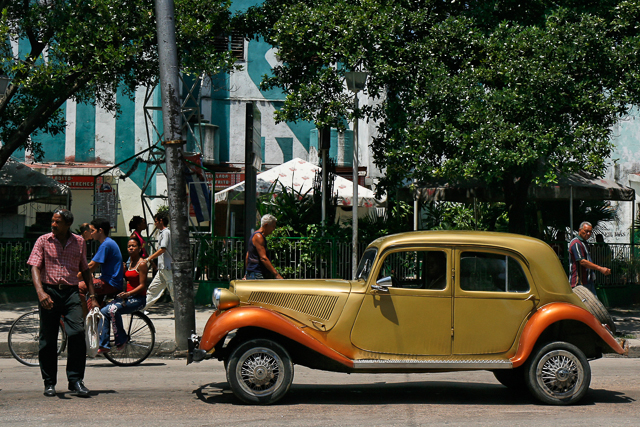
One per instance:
(141, 338)
(24, 337)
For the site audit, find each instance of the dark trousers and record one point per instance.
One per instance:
(66, 302)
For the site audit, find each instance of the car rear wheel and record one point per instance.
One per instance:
(595, 306)
(558, 374)
(259, 371)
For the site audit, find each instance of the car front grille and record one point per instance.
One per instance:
(319, 306)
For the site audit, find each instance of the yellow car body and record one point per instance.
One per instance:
(426, 301)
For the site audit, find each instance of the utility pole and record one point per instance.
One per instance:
(185, 320)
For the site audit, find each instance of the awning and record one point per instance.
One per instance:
(577, 186)
(299, 175)
(19, 184)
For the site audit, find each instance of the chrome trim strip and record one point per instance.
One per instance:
(431, 364)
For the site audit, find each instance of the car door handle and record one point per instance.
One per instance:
(533, 299)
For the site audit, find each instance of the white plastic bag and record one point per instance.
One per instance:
(92, 328)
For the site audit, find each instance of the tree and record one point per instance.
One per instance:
(87, 50)
(508, 93)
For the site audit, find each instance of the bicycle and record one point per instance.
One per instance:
(24, 339)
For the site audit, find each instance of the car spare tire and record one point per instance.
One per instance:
(595, 306)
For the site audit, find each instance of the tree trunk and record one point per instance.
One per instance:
(516, 195)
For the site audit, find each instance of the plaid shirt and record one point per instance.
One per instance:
(579, 275)
(58, 265)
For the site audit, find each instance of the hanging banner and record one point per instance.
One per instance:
(198, 188)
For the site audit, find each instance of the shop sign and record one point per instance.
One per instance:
(226, 179)
(75, 182)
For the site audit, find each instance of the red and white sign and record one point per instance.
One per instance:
(226, 179)
(75, 182)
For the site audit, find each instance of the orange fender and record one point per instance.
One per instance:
(221, 323)
(550, 314)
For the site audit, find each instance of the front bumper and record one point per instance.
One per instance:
(194, 353)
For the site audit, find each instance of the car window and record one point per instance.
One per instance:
(481, 271)
(416, 269)
(366, 262)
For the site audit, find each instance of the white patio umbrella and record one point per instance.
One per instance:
(298, 175)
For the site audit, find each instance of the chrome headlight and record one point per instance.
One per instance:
(215, 298)
(223, 299)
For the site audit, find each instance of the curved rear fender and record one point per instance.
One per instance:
(551, 314)
(221, 323)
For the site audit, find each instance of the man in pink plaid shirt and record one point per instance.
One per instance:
(55, 261)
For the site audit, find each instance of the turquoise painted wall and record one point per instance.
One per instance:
(54, 145)
(85, 133)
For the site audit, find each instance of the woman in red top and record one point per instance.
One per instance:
(133, 299)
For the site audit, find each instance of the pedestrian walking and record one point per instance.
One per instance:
(164, 277)
(581, 267)
(85, 231)
(137, 225)
(56, 260)
(258, 264)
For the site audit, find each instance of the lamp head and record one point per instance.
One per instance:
(356, 80)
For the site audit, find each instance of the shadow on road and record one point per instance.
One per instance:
(427, 392)
(111, 365)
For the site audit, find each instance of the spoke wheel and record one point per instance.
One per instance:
(141, 336)
(559, 374)
(260, 371)
(24, 339)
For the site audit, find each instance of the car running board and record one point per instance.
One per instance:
(431, 364)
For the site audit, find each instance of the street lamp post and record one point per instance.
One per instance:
(355, 83)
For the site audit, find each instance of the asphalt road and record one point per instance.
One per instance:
(167, 393)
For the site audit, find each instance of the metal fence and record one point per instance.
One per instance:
(222, 259)
(13, 261)
(623, 261)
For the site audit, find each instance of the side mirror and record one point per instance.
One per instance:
(383, 284)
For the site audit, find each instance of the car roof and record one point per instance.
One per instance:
(514, 242)
(543, 262)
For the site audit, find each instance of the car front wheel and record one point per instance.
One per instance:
(558, 373)
(259, 371)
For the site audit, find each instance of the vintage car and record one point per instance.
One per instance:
(425, 301)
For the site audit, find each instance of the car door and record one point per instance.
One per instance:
(490, 303)
(413, 315)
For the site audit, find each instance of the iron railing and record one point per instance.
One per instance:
(13, 261)
(222, 259)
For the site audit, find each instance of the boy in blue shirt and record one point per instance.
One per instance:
(108, 257)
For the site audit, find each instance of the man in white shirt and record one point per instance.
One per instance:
(164, 276)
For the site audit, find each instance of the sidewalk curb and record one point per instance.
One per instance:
(632, 348)
(162, 350)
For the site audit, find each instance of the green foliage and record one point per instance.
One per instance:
(13, 263)
(543, 219)
(90, 51)
(461, 216)
(218, 258)
(507, 93)
(291, 207)
(398, 218)
(163, 209)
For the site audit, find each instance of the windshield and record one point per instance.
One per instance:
(366, 262)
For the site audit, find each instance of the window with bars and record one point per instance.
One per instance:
(234, 43)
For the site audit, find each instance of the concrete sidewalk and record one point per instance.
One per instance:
(161, 314)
